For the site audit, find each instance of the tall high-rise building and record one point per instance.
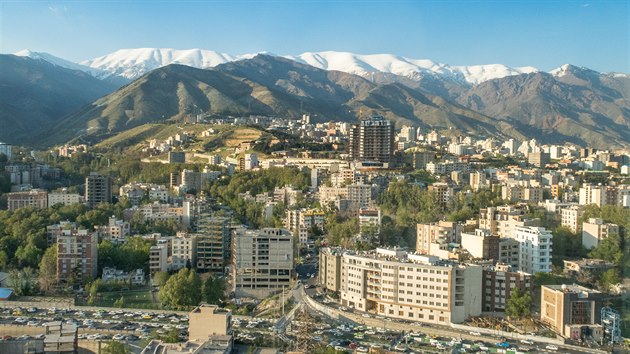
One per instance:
(76, 254)
(372, 140)
(98, 189)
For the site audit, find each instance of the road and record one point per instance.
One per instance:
(439, 331)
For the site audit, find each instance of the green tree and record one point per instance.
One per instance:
(160, 278)
(115, 347)
(214, 290)
(609, 278)
(518, 305)
(120, 302)
(48, 270)
(181, 291)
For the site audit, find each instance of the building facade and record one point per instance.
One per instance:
(98, 189)
(393, 283)
(573, 311)
(372, 140)
(77, 254)
(262, 261)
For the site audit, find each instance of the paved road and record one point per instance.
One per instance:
(440, 331)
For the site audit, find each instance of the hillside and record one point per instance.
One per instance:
(263, 85)
(579, 106)
(35, 94)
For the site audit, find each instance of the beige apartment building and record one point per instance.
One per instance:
(394, 283)
(429, 236)
(206, 321)
(567, 309)
(596, 230)
(329, 268)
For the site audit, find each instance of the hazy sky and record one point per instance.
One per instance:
(544, 34)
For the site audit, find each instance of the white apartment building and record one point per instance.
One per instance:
(590, 194)
(183, 250)
(64, 198)
(570, 217)
(595, 230)
(262, 261)
(393, 283)
(535, 247)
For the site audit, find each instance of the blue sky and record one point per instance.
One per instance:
(543, 34)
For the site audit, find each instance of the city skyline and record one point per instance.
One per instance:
(545, 35)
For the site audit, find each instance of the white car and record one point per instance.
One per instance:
(473, 333)
(527, 341)
(119, 336)
(365, 315)
(552, 347)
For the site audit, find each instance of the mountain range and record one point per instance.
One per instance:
(570, 103)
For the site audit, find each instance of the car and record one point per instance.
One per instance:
(474, 333)
(366, 315)
(118, 336)
(363, 349)
(503, 345)
(527, 341)
(552, 347)
(343, 308)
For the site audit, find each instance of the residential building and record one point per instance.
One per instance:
(77, 254)
(183, 251)
(538, 158)
(116, 230)
(372, 140)
(394, 283)
(54, 231)
(37, 198)
(592, 194)
(481, 244)
(509, 250)
(158, 258)
(522, 191)
(429, 236)
(478, 180)
(64, 198)
(206, 321)
(446, 167)
(503, 219)
(116, 275)
(595, 230)
(444, 193)
(572, 311)
(213, 243)
(330, 268)
(535, 248)
(420, 159)
(499, 282)
(570, 217)
(370, 218)
(361, 195)
(262, 261)
(98, 189)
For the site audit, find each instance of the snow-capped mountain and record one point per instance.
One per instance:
(59, 62)
(365, 65)
(132, 63)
